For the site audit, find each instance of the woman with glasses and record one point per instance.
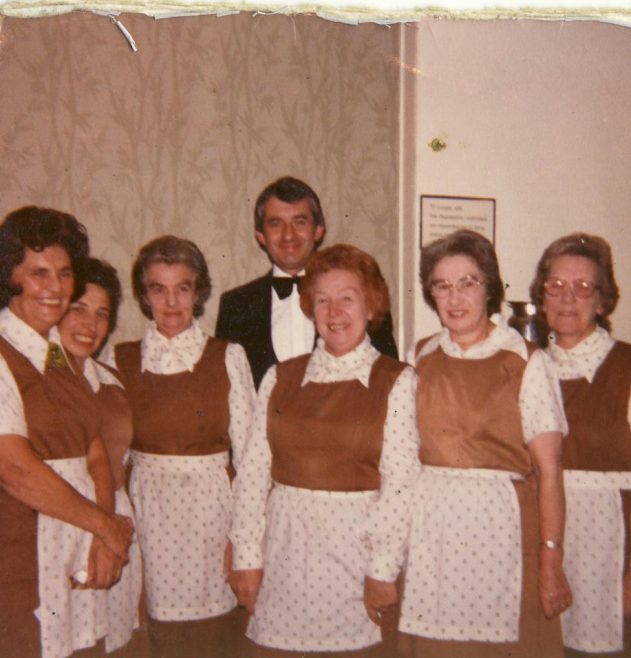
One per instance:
(484, 575)
(575, 292)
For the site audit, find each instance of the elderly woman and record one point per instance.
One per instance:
(484, 575)
(52, 462)
(83, 330)
(191, 398)
(575, 292)
(320, 499)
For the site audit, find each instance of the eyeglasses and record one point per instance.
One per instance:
(581, 288)
(468, 285)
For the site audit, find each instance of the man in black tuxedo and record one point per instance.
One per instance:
(264, 315)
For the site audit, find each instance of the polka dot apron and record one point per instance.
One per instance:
(183, 508)
(69, 619)
(464, 570)
(593, 560)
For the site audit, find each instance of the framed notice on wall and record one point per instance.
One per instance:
(441, 215)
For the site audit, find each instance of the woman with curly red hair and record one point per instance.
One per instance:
(321, 496)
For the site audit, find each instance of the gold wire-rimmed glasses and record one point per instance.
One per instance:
(467, 285)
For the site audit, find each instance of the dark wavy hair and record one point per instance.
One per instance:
(289, 190)
(101, 273)
(171, 250)
(35, 228)
(349, 258)
(464, 243)
(588, 246)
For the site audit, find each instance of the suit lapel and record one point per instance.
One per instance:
(266, 315)
(262, 325)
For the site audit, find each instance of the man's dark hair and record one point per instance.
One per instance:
(289, 190)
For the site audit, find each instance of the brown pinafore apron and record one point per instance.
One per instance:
(62, 419)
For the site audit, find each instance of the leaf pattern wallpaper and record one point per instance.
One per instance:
(181, 136)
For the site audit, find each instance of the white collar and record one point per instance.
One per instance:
(96, 374)
(166, 356)
(276, 271)
(25, 339)
(501, 337)
(584, 359)
(324, 367)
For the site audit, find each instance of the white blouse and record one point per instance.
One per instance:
(35, 348)
(540, 398)
(164, 356)
(584, 359)
(595, 527)
(386, 527)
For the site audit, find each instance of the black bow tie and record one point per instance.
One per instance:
(283, 285)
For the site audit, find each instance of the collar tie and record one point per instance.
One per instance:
(55, 357)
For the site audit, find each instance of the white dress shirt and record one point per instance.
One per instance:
(293, 333)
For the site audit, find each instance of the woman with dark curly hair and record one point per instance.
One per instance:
(575, 291)
(84, 330)
(320, 500)
(57, 521)
(484, 576)
(191, 397)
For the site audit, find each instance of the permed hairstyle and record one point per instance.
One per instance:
(464, 243)
(588, 246)
(289, 190)
(171, 250)
(101, 273)
(35, 228)
(349, 258)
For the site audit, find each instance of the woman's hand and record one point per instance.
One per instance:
(554, 590)
(379, 597)
(116, 534)
(109, 552)
(104, 567)
(245, 584)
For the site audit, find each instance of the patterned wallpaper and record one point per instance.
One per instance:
(181, 136)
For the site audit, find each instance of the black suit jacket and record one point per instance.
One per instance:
(245, 317)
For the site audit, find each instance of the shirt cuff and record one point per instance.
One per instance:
(383, 567)
(246, 556)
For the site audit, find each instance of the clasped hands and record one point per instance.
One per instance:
(109, 552)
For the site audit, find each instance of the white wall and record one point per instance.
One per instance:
(537, 115)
